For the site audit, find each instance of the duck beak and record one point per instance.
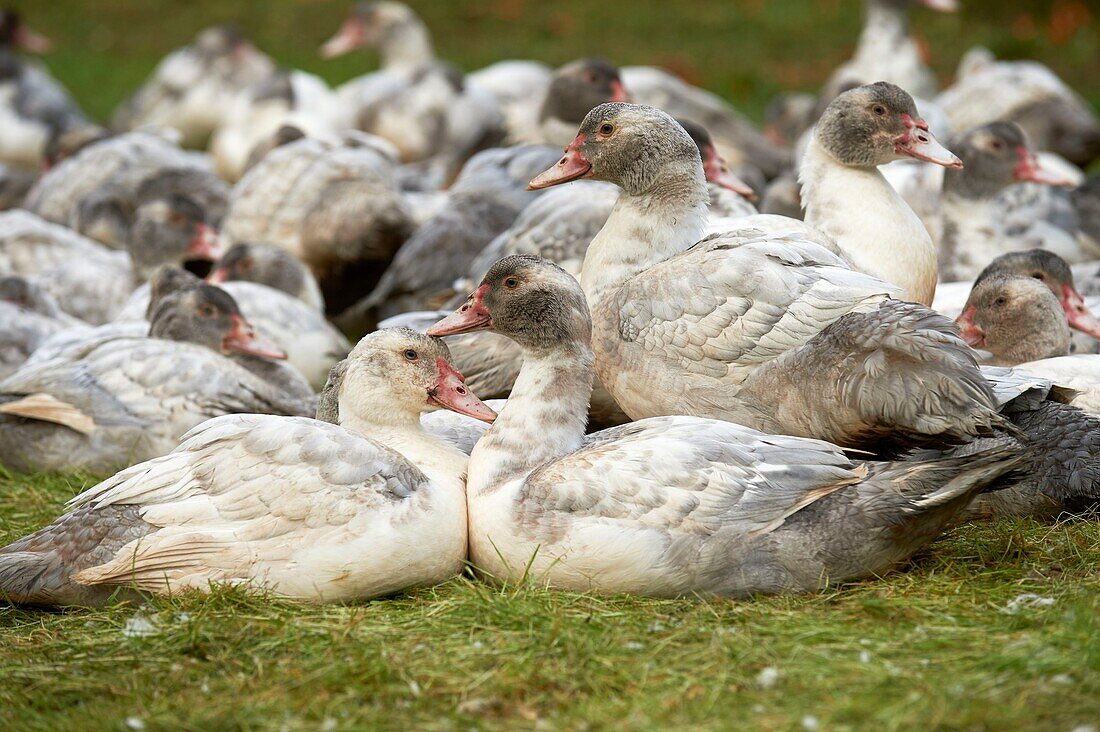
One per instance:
(943, 6)
(472, 316)
(619, 92)
(1030, 168)
(917, 142)
(716, 171)
(205, 245)
(1078, 314)
(969, 330)
(450, 392)
(351, 36)
(243, 339)
(31, 41)
(218, 276)
(573, 166)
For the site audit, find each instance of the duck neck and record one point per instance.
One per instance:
(645, 229)
(400, 431)
(885, 26)
(869, 222)
(543, 419)
(407, 48)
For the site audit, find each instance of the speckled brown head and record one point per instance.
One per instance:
(579, 86)
(630, 145)
(875, 124)
(996, 156)
(1053, 271)
(1016, 319)
(528, 299)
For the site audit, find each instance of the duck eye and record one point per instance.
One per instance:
(410, 355)
(1039, 276)
(207, 311)
(998, 145)
(511, 283)
(245, 264)
(1000, 301)
(175, 218)
(879, 110)
(607, 128)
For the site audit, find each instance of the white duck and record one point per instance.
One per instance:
(764, 328)
(674, 505)
(976, 223)
(1026, 92)
(35, 110)
(104, 404)
(886, 51)
(415, 101)
(192, 88)
(294, 506)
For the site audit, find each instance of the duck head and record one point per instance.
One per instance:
(878, 123)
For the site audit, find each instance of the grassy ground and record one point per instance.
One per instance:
(948, 644)
(747, 50)
(997, 626)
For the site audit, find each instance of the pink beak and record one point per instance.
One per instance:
(1031, 169)
(969, 330)
(472, 316)
(618, 92)
(351, 36)
(450, 392)
(218, 276)
(1078, 314)
(716, 171)
(243, 339)
(205, 245)
(573, 166)
(28, 40)
(917, 142)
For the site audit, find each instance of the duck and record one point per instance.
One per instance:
(674, 505)
(293, 506)
(1028, 93)
(271, 265)
(192, 89)
(419, 103)
(36, 109)
(105, 404)
(483, 202)
(333, 205)
(1043, 266)
(861, 129)
(1077, 376)
(28, 318)
(311, 344)
(976, 226)
(108, 188)
(887, 52)
(763, 327)
(286, 98)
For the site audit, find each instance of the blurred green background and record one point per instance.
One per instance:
(746, 50)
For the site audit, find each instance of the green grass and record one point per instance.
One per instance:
(934, 647)
(931, 647)
(748, 50)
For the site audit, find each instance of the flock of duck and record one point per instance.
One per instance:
(718, 360)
